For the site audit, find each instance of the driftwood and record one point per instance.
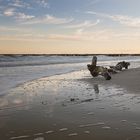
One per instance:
(103, 71)
(98, 70)
(119, 66)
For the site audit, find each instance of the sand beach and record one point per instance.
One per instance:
(73, 106)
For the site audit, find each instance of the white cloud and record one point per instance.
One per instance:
(79, 31)
(17, 15)
(43, 3)
(9, 12)
(122, 19)
(85, 24)
(23, 16)
(126, 20)
(24, 37)
(48, 19)
(22, 4)
(19, 4)
(64, 37)
(81, 35)
(5, 29)
(103, 35)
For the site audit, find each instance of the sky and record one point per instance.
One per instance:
(69, 26)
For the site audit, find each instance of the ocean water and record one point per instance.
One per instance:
(17, 69)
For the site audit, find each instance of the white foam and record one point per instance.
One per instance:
(106, 127)
(63, 129)
(137, 128)
(18, 137)
(90, 113)
(123, 120)
(73, 134)
(92, 124)
(39, 138)
(38, 134)
(48, 132)
(87, 132)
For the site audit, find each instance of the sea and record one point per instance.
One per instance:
(18, 69)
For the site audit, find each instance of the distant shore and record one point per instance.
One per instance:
(70, 54)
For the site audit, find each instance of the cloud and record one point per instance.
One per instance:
(11, 29)
(43, 3)
(126, 20)
(81, 35)
(85, 24)
(9, 12)
(122, 19)
(23, 16)
(48, 19)
(24, 4)
(103, 35)
(4, 28)
(21, 34)
(64, 37)
(19, 4)
(94, 2)
(24, 37)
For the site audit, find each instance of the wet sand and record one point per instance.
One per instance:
(73, 106)
(129, 79)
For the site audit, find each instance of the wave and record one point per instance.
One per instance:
(38, 60)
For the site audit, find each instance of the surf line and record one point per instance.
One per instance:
(19, 137)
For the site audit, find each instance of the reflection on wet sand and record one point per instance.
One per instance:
(96, 88)
(69, 106)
